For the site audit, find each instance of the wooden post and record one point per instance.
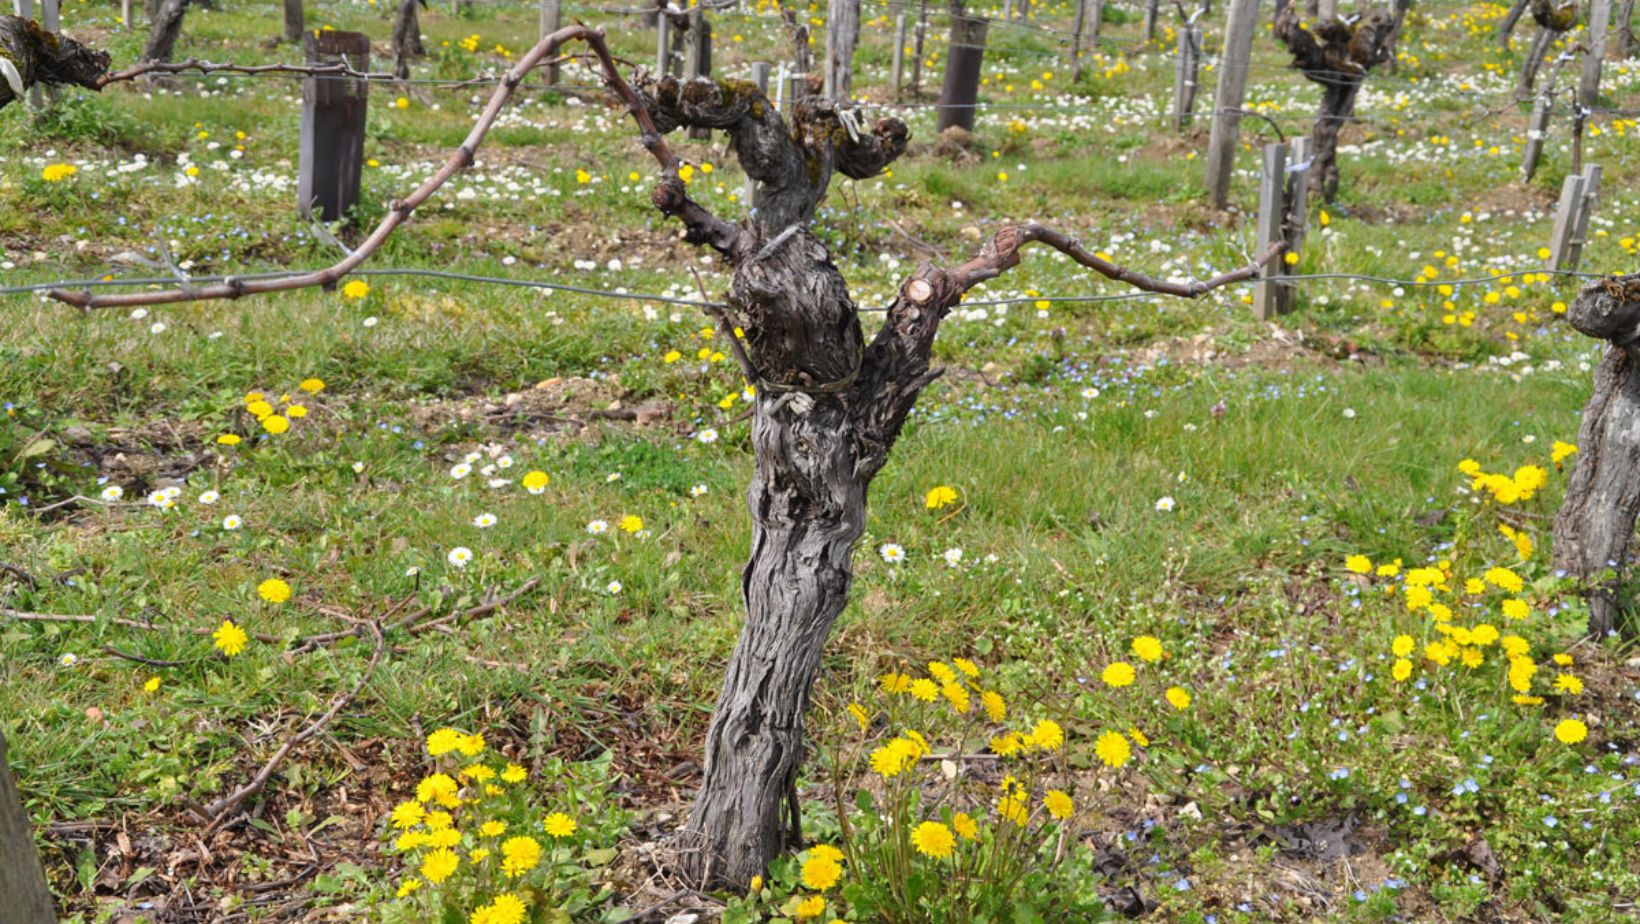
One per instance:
(1327, 9)
(552, 18)
(333, 124)
(1150, 20)
(51, 21)
(295, 21)
(1585, 208)
(842, 34)
(1536, 130)
(1566, 217)
(697, 58)
(1271, 202)
(663, 47)
(23, 891)
(1232, 90)
(966, 57)
(899, 53)
(917, 48)
(760, 76)
(1588, 90)
(125, 15)
(1076, 39)
(1186, 74)
(1296, 223)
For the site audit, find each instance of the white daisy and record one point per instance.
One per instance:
(707, 436)
(209, 498)
(1165, 504)
(113, 492)
(504, 462)
(459, 556)
(460, 471)
(358, 468)
(614, 587)
(598, 527)
(612, 477)
(952, 556)
(69, 659)
(232, 522)
(484, 520)
(698, 490)
(892, 553)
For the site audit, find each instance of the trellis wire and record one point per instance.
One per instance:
(620, 295)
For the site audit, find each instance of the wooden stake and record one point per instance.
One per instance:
(1271, 202)
(842, 34)
(962, 72)
(295, 21)
(1537, 129)
(697, 58)
(1232, 90)
(1588, 90)
(1076, 39)
(1567, 214)
(333, 125)
(899, 53)
(663, 48)
(1296, 223)
(917, 48)
(552, 18)
(1186, 77)
(51, 22)
(1585, 206)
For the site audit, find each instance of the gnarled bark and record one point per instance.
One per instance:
(23, 891)
(32, 55)
(1552, 21)
(406, 37)
(1506, 29)
(792, 165)
(164, 26)
(1595, 525)
(1337, 55)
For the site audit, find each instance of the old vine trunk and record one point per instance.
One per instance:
(1595, 525)
(23, 892)
(808, 507)
(1337, 56)
(36, 56)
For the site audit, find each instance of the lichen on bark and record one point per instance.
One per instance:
(42, 57)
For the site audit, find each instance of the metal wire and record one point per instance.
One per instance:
(697, 303)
